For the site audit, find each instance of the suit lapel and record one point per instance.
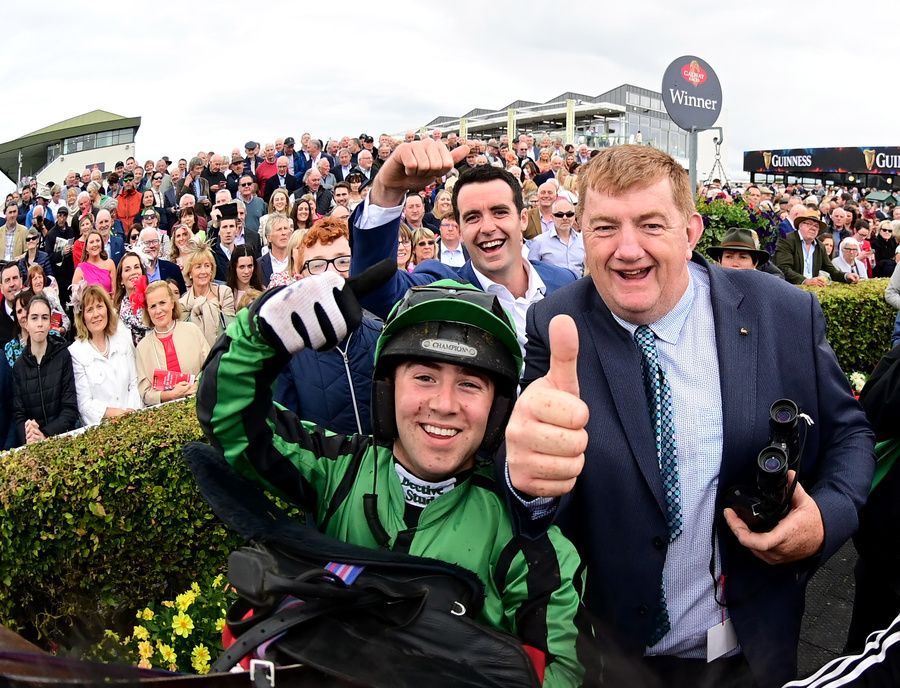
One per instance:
(621, 365)
(737, 329)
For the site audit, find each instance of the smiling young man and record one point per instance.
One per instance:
(446, 369)
(490, 211)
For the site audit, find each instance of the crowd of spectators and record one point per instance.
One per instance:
(220, 229)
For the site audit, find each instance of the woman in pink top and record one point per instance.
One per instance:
(95, 267)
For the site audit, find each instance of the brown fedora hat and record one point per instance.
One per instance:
(738, 239)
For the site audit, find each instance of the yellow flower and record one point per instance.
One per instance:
(167, 652)
(182, 624)
(147, 614)
(144, 664)
(195, 588)
(200, 659)
(173, 667)
(168, 603)
(145, 649)
(185, 600)
(217, 581)
(141, 633)
(220, 624)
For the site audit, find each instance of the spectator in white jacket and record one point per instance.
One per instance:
(102, 359)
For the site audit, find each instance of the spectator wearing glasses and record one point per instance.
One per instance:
(158, 269)
(561, 246)
(33, 254)
(848, 262)
(884, 243)
(320, 384)
(423, 245)
(404, 250)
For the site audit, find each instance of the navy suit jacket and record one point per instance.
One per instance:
(170, 271)
(291, 184)
(265, 269)
(116, 248)
(371, 246)
(616, 513)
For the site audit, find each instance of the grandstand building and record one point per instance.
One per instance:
(95, 139)
(611, 118)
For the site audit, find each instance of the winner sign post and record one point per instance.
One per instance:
(692, 96)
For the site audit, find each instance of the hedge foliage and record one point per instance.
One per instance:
(96, 525)
(858, 322)
(719, 217)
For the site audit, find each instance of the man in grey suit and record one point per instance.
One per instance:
(649, 398)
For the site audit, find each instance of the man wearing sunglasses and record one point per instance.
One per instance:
(253, 204)
(562, 245)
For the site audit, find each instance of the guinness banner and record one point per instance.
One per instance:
(873, 160)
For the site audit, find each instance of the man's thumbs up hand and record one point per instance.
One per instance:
(545, 437)
(563, 373)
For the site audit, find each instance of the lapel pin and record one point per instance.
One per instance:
(744, 331)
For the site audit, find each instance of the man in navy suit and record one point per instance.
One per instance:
(661, 369)
(491, 214)
(281, 179)
(159, 269)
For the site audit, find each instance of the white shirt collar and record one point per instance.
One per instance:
(536, 287)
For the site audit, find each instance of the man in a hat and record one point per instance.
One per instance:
(251, 159)
(236, 171)
(129, 202)
(740, 250)
(224, 244)
(802, 258)
(297, 163)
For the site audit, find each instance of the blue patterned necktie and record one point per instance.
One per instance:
(662, 417)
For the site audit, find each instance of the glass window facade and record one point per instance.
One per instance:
(98, 140)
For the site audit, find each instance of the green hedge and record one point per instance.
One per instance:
(94, 526)
(858, 321)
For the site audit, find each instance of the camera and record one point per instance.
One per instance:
(762, 506)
